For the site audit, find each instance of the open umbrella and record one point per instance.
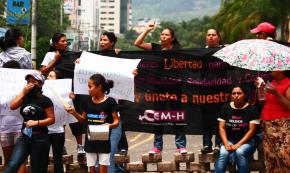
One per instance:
(256, 54)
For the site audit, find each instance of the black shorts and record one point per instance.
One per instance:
(77, 128)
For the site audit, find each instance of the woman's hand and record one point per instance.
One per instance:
(77, 61)
(235, 147)
(28, 87)
(72, 95)
(150, 26)
(228, 147)
(271, 89)
(70, 109)
(31, 123)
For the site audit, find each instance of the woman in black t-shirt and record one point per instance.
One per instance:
(37, 111)
(168, 41)
(237, 125)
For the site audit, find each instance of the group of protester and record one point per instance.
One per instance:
(33, 135)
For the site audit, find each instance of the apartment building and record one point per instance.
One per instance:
(91, 17)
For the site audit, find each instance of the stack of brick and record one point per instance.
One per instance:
(184, 163)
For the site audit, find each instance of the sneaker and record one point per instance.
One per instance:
(64, 152)
(216, 149)
(80, 149)
(155, 150)
(182, 150)
(206, 149)
(123, 152)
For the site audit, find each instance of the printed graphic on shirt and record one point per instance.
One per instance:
(97, 118)
(237, 123)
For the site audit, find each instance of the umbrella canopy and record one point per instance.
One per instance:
(256, 54)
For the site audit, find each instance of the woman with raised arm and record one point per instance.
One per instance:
(168, 41)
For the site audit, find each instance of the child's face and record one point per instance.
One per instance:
(51, 76)
(93, 89)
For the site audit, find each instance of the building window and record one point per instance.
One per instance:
(103, 18)
(79, 12)
(111, 30)
(103, 12)
(111, 24)
(111, 0)
(111, 12)
(103, 6)
(111, 18)
(111, 6)
(79, 2)
(103, 0)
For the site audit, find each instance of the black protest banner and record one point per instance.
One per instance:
(179, 90)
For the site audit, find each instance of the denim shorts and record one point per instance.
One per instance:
(9, 139)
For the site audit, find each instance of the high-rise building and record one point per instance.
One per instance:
(91, 17)
(115, 15)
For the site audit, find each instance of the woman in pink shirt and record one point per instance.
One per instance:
(276, 123)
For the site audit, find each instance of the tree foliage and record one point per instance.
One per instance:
(237, 17)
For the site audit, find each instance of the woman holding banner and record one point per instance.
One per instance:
(212, 40)
(118, 137)
(38, 113)
(168, 42)
(13, 56)
(58, 46)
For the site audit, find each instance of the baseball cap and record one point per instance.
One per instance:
(264, 27)
(36, 75)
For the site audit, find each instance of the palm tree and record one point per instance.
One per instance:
(237, 17)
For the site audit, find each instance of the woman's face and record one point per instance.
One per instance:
(51, 75)
(61, 44)
(20, 41)
(93, 89)
(166, 37)
(212, 38)
(238, 96)
(105, 43)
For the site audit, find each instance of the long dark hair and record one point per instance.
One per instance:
(55, 38)
(99, 79)
(112, 37)
(10, 39)
(175, 43)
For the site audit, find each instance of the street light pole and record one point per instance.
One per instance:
(33, 33)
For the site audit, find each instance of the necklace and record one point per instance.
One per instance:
(95, 100)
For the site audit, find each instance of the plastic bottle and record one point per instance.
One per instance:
(260, 87)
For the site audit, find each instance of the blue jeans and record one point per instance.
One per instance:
(57, 143)
(240, 157)
(180, 141)
(114, 139)
(37, 147)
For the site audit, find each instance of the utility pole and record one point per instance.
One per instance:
(33, 33)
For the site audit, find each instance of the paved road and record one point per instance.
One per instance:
(140, 143)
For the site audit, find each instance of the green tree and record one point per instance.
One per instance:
(2, 10)
(237, 17)
(48, 23)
